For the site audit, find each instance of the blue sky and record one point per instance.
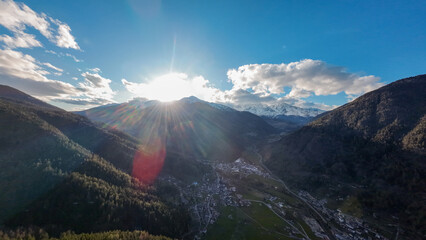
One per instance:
(351, 46)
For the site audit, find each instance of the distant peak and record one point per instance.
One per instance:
(139, 99)
(191, 99)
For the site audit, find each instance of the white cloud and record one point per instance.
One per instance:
(17, 16)
(94, 91)
(299, 93)
(21, 40)
(263, 84)
(86, 102)
(241, 97)
(178, 85)
(25, 73)
(51, 52)
(53, 67)
(95, 70)
(305, 104)
(64, 38)
(61, 54)
(96, 86)
(72, 56)
(304, 77)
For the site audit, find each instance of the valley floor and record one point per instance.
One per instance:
(244, 200)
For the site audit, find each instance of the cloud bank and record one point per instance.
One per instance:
(305, 78)
(266, 84)
(25, 73)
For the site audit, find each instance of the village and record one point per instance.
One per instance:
(206, 196)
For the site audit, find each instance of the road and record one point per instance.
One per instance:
(323, 222)
(285, 220)
(268, 230)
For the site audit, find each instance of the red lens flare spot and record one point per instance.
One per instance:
(148, 161)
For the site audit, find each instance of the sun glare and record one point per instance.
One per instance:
(166, 88)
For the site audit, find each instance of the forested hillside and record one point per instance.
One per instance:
(57, 168)
(371, 151)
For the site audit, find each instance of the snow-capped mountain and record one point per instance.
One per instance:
(263, 110)
(278, 109)
(281, 112)
(280, 115)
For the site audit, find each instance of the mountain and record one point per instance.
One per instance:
(279, 109)
(13, 94)
(192, 169)
(190, 127)
(282, 115)
(193, 99)
(60, 171)
(369, 153)
(183, 142)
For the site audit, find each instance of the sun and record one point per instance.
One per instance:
(174, 86)
(166, 88)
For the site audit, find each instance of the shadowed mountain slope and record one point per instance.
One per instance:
(372, 148)
(56, 167)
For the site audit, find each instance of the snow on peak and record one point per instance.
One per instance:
(278, 109)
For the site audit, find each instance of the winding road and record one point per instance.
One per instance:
(318, 216)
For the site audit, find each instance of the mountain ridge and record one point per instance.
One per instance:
(279, 109)
(375, 143)
(47, 153)
(207, 122)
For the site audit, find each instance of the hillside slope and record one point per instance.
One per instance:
(190, 129)
(372, 148)
(53, 160)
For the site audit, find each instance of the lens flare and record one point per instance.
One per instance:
(168, 130)
(148, 161)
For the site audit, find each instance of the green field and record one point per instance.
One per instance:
(258, 221)
(253, 222)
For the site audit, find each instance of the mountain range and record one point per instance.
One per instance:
(189, 126)
(191, 169)
(282, 116)
(277, 110)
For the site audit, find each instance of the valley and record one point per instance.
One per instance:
(255, 204)
(195, 170)
(212, 120)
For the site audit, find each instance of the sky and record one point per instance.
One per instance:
(322, 54)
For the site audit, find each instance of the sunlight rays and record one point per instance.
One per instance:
(168, 128)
